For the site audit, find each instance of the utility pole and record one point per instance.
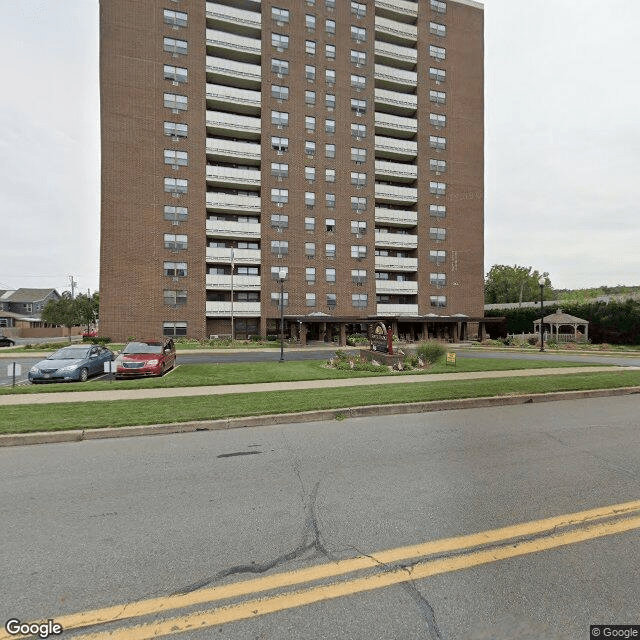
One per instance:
(73, 287)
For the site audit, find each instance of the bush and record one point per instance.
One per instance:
(431, 351)
(357, 338)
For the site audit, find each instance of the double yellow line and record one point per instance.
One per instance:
(459, 553)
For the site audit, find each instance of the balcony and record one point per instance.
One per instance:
(398, 9)
(231, 177)
(239, 74)
(230, 45)
(391, 76)
(396, 309)
(395, 126)
(220, 96)
(395, 149)
(395, 32)
(396, 102)
(217, 201)
(396, 217)
(217, 255)
(223, 309)
(227, 124)
(232, 19)
(232, 229)
(396, 170)
(396, 240)
(240, 283)
(390, 263)
(395, 287)
(394, 54)
(227, 150)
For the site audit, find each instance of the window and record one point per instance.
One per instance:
(358, 82)
(280, 196)
(275, 272)
(330, 225)
(249, 271)
(439, 257)
(437, 97)
(330, 51)
(359, 276)
(309, 224)
(279, 144)
(359, 58)
(175, 242)
(309, 198)
(175, 214)
(438, 279)
(330, 150)
(439, 75)
(358, 179)
(438, 5)
(310, 47)
(175, 18)
(310, 299)
(310, 123)
(438, 120)
(176, 102)
(310, 97)
(330, 76)
(358, 204)
(329, 175)
(279, 67)
(276, 296)
(310, 249)
(247, 296)
(330, 250)
(359, 300)
(438, 301)
(330, 101)
(176, 47)
(330, 200)
(175, 129)
(438, 210)
(175, 269)
(309, 147)
(175, 298)
(331, 300)
(358, 251)
(176, 158)
(310, 174)
(359, 107)
(279, 221)
(329, 126)
(330, 274)
(438, 53)
(437, 165)
(176, 186)
(280, 119)
(248, 245)
(280, 247)
(437, 29)
(358, 155)
(310, 275)
(176, 74)
(359, 227)
(330, 4)
(438, 188)
(358, 130)
(280, 15)
(280, 170)
(330, 26)
(279, 92)
(174, 329)
(280, 41)
(437, 142)
(310, 72)
(358, 9)
(359, 34)
(437, 233)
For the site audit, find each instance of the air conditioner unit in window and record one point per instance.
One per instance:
(175, 223)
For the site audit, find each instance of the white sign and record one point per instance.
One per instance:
(11, 371)
(110, 366)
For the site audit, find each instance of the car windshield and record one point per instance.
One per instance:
(70, 353)
(142, 347)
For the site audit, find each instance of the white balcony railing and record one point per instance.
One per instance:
(240, 283)
(229, 176)
(233, 95)
(395, 287)
(233, 149)
(396, 217)
(396, 309)
(395, 75)
(223, 309)
(231, 202)
(242, 44)
(400, 30)
(404, 55)
(389, 263)
(234, 69)
(393, 193)
(396, 240)
(393, 147)
(240, 256)
(223, 121)
(397, 124)
(399, 6)
(224, 13)
(231, 229)
(397, 100)
(405, 172)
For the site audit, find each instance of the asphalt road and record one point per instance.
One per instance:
(98, 523)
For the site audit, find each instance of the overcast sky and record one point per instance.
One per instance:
(562, 141)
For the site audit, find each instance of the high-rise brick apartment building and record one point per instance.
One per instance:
(336, 143)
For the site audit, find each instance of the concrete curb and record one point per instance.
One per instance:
(78, 435)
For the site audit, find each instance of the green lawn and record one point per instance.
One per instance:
(92, 415)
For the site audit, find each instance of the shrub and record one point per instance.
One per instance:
(430, 351)
(357, 338)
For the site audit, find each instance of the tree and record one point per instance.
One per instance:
(87, 307)
(63, 311)
(505, 284)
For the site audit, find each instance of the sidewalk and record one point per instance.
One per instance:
(141, 394)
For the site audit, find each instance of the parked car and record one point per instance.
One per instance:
(146, 358)
(6, 342)
(76, 362)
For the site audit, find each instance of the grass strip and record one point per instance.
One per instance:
(94, 415)
(199, 375)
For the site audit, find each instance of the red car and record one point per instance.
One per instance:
(146, 358)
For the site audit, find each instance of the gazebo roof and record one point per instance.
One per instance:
(562, 318)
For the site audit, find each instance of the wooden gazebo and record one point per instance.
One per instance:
(559, 319)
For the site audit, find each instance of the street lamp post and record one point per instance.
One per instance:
(233, 333)
(282, 274)
(541, 283)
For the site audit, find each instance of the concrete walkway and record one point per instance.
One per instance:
(142, 394)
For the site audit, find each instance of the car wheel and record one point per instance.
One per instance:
(84, 374)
